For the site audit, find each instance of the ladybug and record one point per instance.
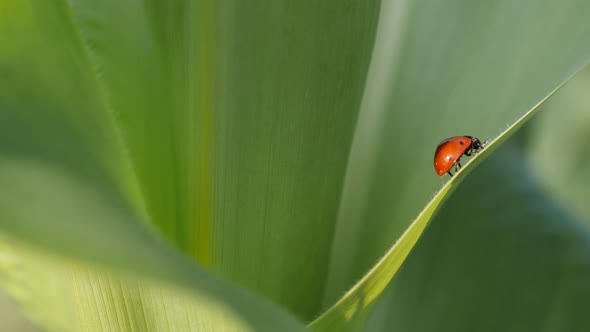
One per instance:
(449, 152)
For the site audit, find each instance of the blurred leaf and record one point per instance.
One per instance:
(68, 218)
(440, 70)
(557, 144)
(350, 311)
(92, 300)
(238, 118)
(500, 256)
(107, 302)
(66, 184)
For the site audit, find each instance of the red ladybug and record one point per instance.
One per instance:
(450, 151)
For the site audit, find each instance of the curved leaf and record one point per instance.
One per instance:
(66, 183)
(68, 218)
(238, 118)
(351, 307)
(455, 68)
(500, 256)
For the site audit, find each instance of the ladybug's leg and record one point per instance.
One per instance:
(457, 165)
(451, 174)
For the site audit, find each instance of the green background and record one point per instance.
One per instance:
(207, 165)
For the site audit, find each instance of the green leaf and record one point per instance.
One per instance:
(462, 68)
(109, 302)
(70, 219)
(351, 307)
(226, 130)
(238, 119)
(500, 256)
(67, 186)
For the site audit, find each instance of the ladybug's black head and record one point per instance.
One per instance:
(476, 144)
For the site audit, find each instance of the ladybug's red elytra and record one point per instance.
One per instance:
(449, 152)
